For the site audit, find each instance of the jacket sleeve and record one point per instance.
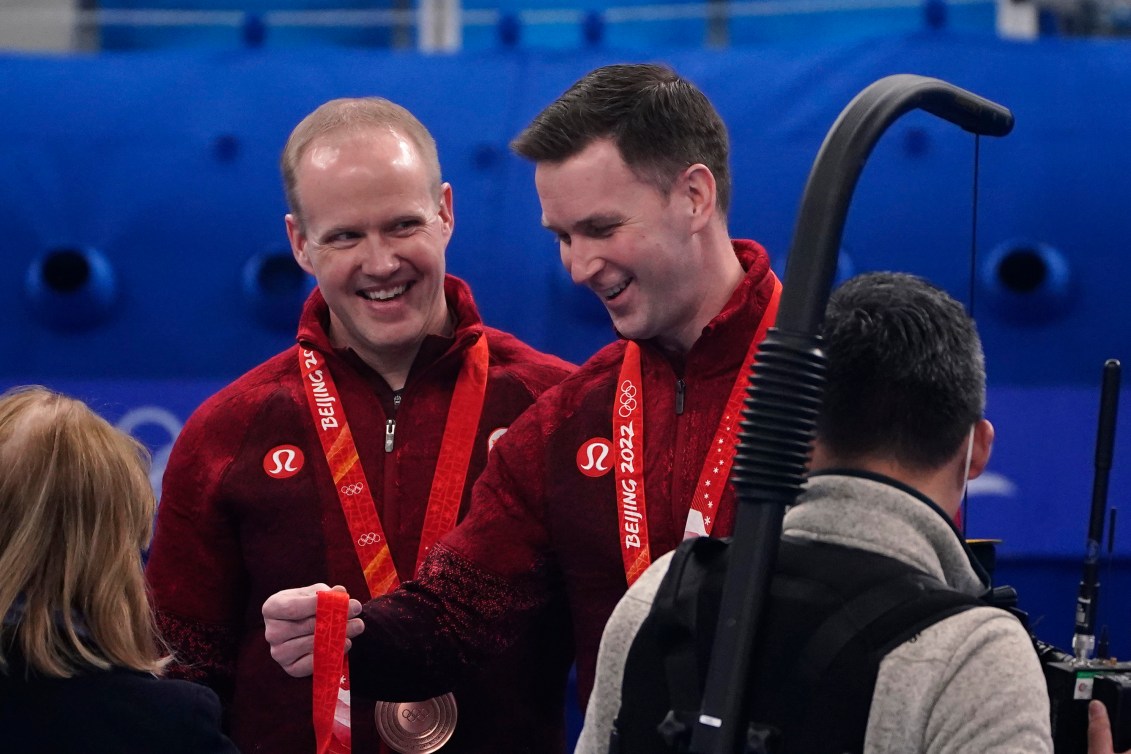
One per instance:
(969, 683)
(194, 567)
(198, 722)
(479, 588)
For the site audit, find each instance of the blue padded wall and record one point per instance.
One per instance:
(162, 164)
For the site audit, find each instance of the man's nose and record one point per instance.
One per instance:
(583, 262)
(378, 257)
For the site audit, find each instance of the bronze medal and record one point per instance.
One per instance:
(416, 727)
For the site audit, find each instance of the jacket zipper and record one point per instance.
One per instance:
(391, 424)
(680, 389)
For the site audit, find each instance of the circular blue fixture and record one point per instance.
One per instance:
(275, 287)
(226, 147)
(71, 289)
(1026, 282)
(916, 142)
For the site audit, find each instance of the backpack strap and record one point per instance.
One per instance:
(664, 672)
(821, 699)
(833, 614)
(881, 618)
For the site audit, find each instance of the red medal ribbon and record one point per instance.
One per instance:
(455, 449)
(628, 455)
(628, 462)
(716, 468)
(329, 659)
(357, 502)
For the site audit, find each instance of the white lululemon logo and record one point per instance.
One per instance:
(283, 461)
(593, 457)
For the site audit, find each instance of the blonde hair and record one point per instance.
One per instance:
(76, 510)
(352, 115)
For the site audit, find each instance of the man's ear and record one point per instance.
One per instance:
(447, 208)
(983, 445)
(298, 240)
(699, 184)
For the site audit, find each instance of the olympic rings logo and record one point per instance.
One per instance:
(354, 488)
(369, 538)
(413, 714)
(627, 399)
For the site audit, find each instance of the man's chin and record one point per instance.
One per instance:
(631, 330)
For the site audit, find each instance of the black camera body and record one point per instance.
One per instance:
(1071, 685)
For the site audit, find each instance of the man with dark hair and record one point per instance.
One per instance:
(623, 460)
(659, 121)
(321, 464)
(900, 433)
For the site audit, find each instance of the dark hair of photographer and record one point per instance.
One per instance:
(906, 375)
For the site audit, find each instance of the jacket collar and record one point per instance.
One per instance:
(875, 513)
(717, 350)
(314, 328)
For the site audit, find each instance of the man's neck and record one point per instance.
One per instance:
(937, 485)
(394, 363)
(392, 366)
(722, 272)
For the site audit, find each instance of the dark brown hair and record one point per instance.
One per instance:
(660, 122)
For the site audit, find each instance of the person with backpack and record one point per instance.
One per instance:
(873, 637)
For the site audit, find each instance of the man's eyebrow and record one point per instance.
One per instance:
(407, 217)
(587, 223)
(334, 230)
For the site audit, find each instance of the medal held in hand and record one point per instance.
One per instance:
(417, 727)
(407, 727)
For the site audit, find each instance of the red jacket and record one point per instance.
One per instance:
(541, 533)
(229, 535)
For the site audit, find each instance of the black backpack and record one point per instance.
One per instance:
(832, 615)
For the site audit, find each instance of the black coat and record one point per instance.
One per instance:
(112, 712)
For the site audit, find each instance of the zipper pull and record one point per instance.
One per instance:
(680, 385)
(390, 429)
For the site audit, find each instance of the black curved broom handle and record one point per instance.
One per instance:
(785, 392)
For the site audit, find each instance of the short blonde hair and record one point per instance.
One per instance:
(352, 115)
(76, 511)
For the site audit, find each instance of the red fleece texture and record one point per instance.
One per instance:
(229, 535)
(541, 534)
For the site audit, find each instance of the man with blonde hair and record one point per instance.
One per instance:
(323, 463)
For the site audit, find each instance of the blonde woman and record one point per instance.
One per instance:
(79, 654)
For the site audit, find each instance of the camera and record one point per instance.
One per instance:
(1075, 679)
(1071, 685)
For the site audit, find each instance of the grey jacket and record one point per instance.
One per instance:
(969, 683)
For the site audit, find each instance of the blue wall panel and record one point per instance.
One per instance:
(165, 163)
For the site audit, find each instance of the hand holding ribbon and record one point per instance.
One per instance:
(289, 619)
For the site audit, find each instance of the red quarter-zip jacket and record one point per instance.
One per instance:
(541, 533)
(229, 534)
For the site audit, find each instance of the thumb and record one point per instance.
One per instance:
(1099, 729)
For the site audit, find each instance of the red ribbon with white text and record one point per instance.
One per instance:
(628, 453)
